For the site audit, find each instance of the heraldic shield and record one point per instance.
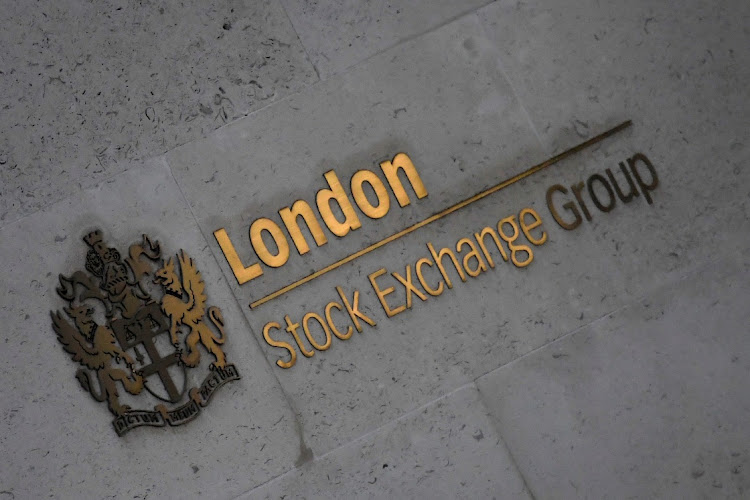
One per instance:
(137, 326)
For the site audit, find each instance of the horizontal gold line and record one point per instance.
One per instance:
(443, 213)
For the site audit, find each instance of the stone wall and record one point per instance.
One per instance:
(613, 365)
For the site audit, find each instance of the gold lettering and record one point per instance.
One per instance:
(336, 193)
(391, 168)
(384, 201)
(282, 245)
(595, 198)
(409, 285)
(336, 332)
(382, 293)
(633, 192)
(438, 256)
(645, 188)
(354, 313)
(577, 188)
(510, 240)
(568, 206)
(290, 216)
(433, 292)
(305, 320)
(481, 267)
(241, 273)
(278, 343)
(480, 239)
(528, 227)
(291, 327)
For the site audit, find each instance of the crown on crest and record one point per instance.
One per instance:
(99, 255)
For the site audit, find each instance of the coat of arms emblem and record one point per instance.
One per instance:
(137, 326)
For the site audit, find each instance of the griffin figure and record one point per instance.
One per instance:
(95, 347)
(184, 303)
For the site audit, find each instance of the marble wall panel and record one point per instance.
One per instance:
(247, 170)
(88, 88)
(58, 441)
(448, 449)
(648, 402)
(678, 73)
(340, 33)
(577, 67)
(440, 99)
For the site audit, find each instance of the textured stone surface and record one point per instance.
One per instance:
(576, 64)
(646, 402)
(340, 33)
(57, 440)
(470, 132)
(448, 449)
(89, 87)
(437, 98)
(681, 78)
(649, 402)
(580, 67)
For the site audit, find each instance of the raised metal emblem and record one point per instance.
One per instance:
(140, 324)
